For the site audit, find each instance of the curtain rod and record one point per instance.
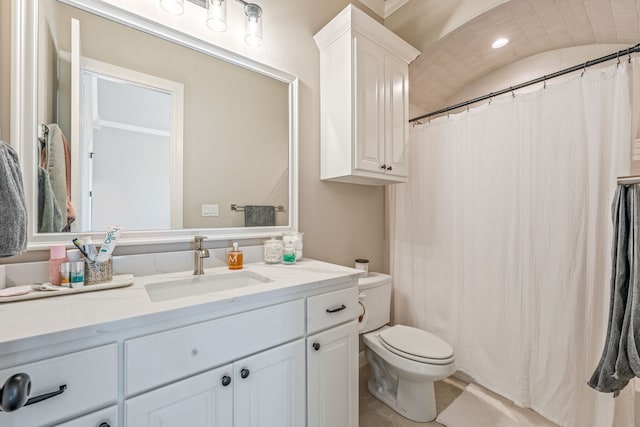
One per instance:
(615, 55)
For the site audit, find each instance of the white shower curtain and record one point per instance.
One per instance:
(500, 242)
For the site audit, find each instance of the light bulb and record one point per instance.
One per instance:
(501, 42)
(175, 7)
(217, 15)
(253, 26)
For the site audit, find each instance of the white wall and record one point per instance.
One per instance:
(341, 222)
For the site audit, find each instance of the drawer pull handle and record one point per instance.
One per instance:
(244, 372)
(46, 396)
(14, 393)
(335, 310)
(389, 168)
(383, 167)
(226, 380)
(316, 346)
(104, 425)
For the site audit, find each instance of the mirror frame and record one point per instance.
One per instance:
(24, 126)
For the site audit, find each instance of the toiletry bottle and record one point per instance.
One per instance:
(234, 258)
(289, 254)
(58, 255)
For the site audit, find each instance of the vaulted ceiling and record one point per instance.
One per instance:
(455, 39)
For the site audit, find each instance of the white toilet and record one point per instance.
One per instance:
(404, 361)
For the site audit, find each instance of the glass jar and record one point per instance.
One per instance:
(294, 238)
(288, 254)
(272, 251)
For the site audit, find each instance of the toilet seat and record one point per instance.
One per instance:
(416, 344)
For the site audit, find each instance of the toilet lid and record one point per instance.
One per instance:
(416, 342)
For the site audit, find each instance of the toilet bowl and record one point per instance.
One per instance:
(405, 361)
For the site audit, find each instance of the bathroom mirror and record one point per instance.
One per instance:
(165, 132)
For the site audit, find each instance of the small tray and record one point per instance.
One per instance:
(119, 281)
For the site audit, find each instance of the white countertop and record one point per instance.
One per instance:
(44, 320)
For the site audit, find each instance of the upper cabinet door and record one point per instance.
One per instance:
(270, 388)
(369, 84)
(396, 116)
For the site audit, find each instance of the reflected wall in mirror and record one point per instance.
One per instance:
(157, 130)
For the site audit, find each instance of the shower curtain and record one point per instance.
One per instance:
(500, 242)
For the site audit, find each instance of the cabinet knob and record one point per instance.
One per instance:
(383, 167)
(226, 380)
(390, 168)
(316, 346)
(104, 424)
(244, 372)
(15, 392)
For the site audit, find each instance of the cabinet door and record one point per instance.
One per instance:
(396, 116)
(105, 418)
(369, 105)
(269, 388)
(200, 401)
(332, 377)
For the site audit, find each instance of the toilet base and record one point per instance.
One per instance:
(414, 400)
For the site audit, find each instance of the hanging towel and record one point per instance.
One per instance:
(620, 360)
(259, 216)
(50, 219)
(53, 159)
(13, 208)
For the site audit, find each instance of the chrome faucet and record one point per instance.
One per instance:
(200, 255)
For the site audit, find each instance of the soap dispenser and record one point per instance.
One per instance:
(234, 258)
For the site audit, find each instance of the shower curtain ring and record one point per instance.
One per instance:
(629, 53)
(544, 81)
(513, 94)
(584, 69)
(618, 58)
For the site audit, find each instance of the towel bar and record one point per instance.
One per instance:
(238, 208)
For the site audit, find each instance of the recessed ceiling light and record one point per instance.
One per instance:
(501, 42)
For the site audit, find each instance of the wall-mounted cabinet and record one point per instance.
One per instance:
(364, 90)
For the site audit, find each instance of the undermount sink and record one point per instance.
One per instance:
(205, 284)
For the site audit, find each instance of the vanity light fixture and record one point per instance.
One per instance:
(253, 24)
(217, 16)
(501, 42)
(175, 7)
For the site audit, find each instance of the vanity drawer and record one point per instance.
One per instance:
(162, 358)
(332, 308)
(90, 377)
(105, 418)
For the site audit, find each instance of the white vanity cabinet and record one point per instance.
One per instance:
(263, 390)
(245, 360)
(332, 359)
(364, 90)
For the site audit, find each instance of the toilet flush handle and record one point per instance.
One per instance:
(335, 310)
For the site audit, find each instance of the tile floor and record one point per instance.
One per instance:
(374, 413)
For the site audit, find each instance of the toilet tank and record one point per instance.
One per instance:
(375, 301)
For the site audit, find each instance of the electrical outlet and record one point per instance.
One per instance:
(210, 210)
